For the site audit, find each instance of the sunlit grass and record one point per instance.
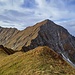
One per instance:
(39, 61)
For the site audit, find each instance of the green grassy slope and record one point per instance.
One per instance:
(39, 61)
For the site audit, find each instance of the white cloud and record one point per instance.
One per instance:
(16, 14)
(12, 25)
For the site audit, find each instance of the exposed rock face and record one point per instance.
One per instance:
(7, 37)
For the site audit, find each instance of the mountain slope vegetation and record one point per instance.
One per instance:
(39, 61)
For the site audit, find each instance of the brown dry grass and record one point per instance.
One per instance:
(39, 61)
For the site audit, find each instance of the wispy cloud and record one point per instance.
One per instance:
(28, 12)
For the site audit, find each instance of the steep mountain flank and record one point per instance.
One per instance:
(7, 36)
(39, 61)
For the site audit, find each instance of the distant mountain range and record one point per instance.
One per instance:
(45, 33)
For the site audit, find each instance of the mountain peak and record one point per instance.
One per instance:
(48, 21)
(45, 22)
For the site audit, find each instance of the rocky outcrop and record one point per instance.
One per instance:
(6, 50)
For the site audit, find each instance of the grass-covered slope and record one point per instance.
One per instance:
(39, 61)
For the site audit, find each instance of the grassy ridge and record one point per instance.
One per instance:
(39, 61)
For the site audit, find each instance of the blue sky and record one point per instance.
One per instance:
(24, 13)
